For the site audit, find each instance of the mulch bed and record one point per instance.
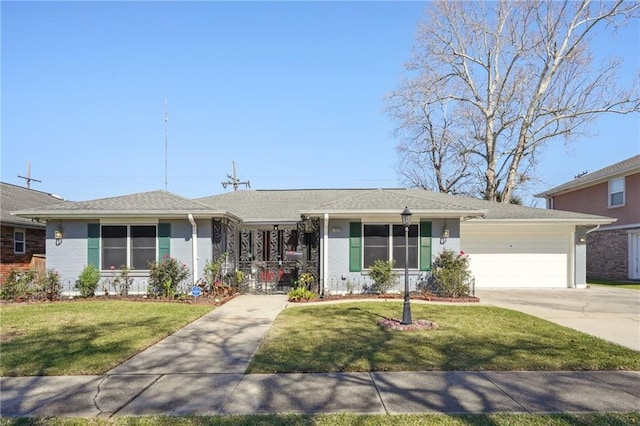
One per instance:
(396, 324)
(201, 300)
(413, 296)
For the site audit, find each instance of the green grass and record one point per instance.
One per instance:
(346, 338)
(84, 337)
(610, 419)
(617, 284)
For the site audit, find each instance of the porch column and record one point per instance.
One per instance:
(325, 253)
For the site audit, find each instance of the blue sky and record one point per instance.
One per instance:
(292, 92)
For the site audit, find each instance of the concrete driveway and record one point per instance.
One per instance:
(609, 313)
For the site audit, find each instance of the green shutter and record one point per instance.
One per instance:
(93, 245)
(425, 246)
(355, 247)
(164, 240)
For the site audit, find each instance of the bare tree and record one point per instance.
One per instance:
(490, 83)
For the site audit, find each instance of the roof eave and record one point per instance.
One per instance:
(349, 213)
(574, 221)
(18, 224)
(164, 214)
(574, 186)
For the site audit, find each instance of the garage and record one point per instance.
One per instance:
(523, 255)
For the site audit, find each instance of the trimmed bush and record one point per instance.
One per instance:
(18, 284)
(87, 282)
(49, 286)
(451, 276)
(166, 276)
(300, 293)
(381, 272)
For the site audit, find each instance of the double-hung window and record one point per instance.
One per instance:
(19, 241)
(399, 250)
(616, 192)
(132, 246)
(387, 242)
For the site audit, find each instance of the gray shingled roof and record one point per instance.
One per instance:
(154, 203)
(13, 197)
(623, 168)
(287, 205)
(513, 212)
(394, 200)
(274, 205)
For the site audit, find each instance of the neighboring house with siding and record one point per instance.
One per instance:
(613, 250)
(22, 240)
(336, 234)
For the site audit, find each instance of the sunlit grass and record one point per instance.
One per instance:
(84, 337)
(346, 338)
(610, 419)
(616, 284)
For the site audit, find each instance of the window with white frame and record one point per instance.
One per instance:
(387, 242)
(133, 246)
(19, 241)
(616, 192)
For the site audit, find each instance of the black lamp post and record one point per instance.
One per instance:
(406, 310)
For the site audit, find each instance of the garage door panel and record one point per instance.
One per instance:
(519, 270)
(517, 259)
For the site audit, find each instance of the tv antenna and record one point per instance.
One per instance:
(166, 139)
(233, 180)
(28, 177)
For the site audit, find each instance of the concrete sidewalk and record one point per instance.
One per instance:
(200, 369)
(373, 393)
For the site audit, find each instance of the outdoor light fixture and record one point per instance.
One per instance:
(275, 227)
(406, 309)
(445, 230)
(58, 234)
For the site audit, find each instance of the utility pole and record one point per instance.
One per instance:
(233, 180)
(28, 177)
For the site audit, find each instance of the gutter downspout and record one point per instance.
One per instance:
(194, 247)
(325, 253)
(592, 229)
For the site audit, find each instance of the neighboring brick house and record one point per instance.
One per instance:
(22, 241)
(613, 251)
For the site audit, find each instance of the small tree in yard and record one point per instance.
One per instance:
(451, 276)
(166, 275)
(381, 272)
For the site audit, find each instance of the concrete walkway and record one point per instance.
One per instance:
(199, 370)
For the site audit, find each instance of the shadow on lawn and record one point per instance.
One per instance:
(72, 345)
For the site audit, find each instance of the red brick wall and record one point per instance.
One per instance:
(35, 244)
(608, 255)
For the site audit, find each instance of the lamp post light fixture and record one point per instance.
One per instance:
(406, 309)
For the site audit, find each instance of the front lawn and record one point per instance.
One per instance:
(570, 419)
(616, 284)
(346, 338)
(84, 337)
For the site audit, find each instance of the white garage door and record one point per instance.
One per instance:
(518, 255)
